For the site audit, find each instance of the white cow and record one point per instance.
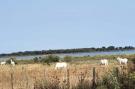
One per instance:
(104, 62)
(2, 63)
(61, 65)
(122, 60)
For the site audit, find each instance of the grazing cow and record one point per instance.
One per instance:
(2, 63)
(61, 65)
(104, 62)
(122, 60)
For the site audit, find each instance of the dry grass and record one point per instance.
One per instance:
(28, 76)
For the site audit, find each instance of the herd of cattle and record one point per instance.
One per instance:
(64, 64)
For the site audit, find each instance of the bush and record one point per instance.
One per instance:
(67, 59)
(50, 59)
(35, 60)
(110, 81)
(25, 61)
(115, 80)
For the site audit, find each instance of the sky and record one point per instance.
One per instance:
(61, 24)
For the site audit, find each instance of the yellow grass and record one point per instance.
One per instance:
(26, 76)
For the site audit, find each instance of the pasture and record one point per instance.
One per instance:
(33, 76)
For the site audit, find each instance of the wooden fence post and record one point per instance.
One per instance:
(117, 72)
(27, 80)
(12, 84)
(68, 81)
(94, 79)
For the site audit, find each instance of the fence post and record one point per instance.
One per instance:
(27, 80)
(117, 72)
(12, 84)
(68, 81)
(94, 79)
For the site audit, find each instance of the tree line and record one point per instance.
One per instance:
(75, 50)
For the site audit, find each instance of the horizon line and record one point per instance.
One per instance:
(64, 49)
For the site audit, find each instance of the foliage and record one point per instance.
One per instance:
(25, 61)
(110, 48)
(110, 81)
(50, 59)
(89, 59)
(67, 59)
(36, 60)
(132, 76)
(115, 80)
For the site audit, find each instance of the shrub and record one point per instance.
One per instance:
(67, 59)
(35, 60)
(25, 61)
(115, 80)
(111, 81)
(50, 59)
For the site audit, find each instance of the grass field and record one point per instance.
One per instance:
(28, 76)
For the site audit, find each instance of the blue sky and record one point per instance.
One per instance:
(56, 24)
